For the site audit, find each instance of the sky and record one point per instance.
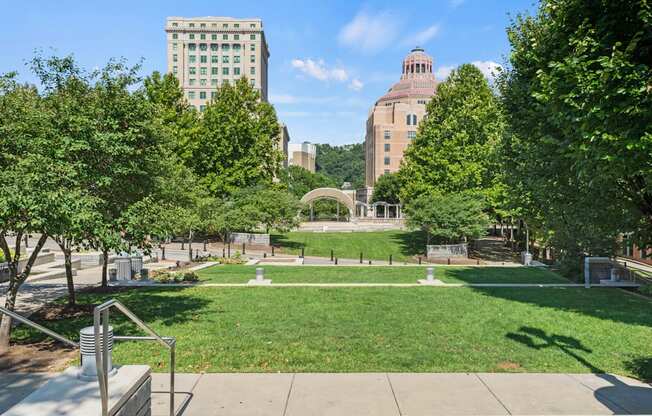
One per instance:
(330, 60)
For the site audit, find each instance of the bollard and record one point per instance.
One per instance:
(183, 245)
(196, 253)
(204, 245)
(390, 259)
(26, 241)
(430, 274)
(449, 260)
(264, 255)
(272, 251)
(260, 274)
(223, 252)
(302, 252)
(336, 261)
(478, 262)
(331, 254)
(419, 259)
(360, 257)
(243, 249)
(370, 262)
(163, 253)
(228, 251)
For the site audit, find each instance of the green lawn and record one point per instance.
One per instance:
(384, 329)
(377, 245)
(379, 274)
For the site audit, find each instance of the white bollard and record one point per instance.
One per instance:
(260, 274)
(430, 274)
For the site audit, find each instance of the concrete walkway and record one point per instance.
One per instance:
(400, 394)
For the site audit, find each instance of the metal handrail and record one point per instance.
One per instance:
(101, 316)
(36, 326)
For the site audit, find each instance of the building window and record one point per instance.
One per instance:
(224, 25)
(202, 25)
(214, 59)
(252, 59)
(225, 47)
(203, 59)
(202, 82)
(192, 70)
(213, 93)
(191, 81)
(411, 119)
(203, 47)
(236, 37)
(236, 47)
(175, 58)
(412, 135)
(192, 59)
(225, 37)
(236, 25)
(214, 36)
(252, 70)
(214, 82)
(414, 119)
(203, 71)
(202, 108)
(252, 82)
(225, 71)
(214, 70)
(214, 47)
(225, 59)
(252, 36)
(202, 36)
(174, 46)
(421, 102)
(191, 25)
(386, 171)
(175, 24)
(386, 161)
(175, 36)
(388, 134)
(236, 71)
(192, 47)
(253, 47)
(191, 36)
(213, 24)
(387, 147)
(202, 95)
(191, 95)
(236, 59)
(175, 70)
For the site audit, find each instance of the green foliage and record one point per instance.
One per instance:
(166, 276)
(577, 97)
(449, 218)
(300, 181)
(342, 163)
(646, 290)
(387, 188)
(235, 145)
(455, 148)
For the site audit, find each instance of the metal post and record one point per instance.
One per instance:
(390, 259)
(302, 251)
(449, 260)
(162, 252)
(370, 262)
(265, 255)
(419, 259)
(223, 252)
(243, 249)
(26, 241)
(196, 253)
(173, 347)
(204, 245)
(272, 251)
(336, 261)
(183, 245)
(229, 249)
(331, 254)
(361, 257)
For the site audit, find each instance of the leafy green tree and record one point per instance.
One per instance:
(236, 144)
(300, 181)
(455, 147)
(342, 163)
(577, 96)
(387, 189)
(277, 209)
(449, 218)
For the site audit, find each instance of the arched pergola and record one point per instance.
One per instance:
(330, 193)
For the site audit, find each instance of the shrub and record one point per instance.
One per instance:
(646, 290)
(166, 276)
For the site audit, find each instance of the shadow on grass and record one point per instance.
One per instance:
(505, 275)
(282, 240)
(411, 243)
(151, 305)
(618, 397)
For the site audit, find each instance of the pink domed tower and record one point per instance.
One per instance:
(393, 121)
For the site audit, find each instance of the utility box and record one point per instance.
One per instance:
(526, 258)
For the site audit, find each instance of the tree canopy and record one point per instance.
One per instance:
(387, 189)
(342, 163)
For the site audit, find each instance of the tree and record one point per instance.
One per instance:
(577, 95)
(455, 147)
(236, 143)
(342, 163)
(387, 189)
(300, 181)
(277, 208)
(450, 218)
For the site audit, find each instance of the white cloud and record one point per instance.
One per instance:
(369, 32)
(356, 84)
(423, 37)
(489, 68)
(455, 3)
(319, 70)
(442, 72)
(282, 99)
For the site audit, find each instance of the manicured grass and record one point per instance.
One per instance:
(384, 329)
(379, 274)
(376, 245)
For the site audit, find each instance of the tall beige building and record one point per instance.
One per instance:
(394, 118)
(302, 154)
(205, 52)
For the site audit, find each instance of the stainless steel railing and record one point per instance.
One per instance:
(101, 317)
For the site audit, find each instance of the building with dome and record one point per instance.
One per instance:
(393, 120)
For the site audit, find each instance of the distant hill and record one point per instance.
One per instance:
(342, 163)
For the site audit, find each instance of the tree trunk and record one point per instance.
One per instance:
(105, 265)
(67, 259)
(190, 246)
(16, 279)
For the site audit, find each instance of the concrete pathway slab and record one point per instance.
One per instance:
(14, 387)
(543, 394)
(443, 394)
(356, 394)
(240, 395)
(184, 384)
(618, 392)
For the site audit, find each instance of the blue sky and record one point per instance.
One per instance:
(330, 60)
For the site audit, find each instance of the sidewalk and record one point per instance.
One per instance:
(396, 394)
